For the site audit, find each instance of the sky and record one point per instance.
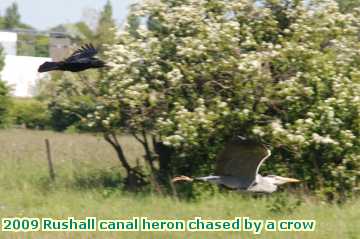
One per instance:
(43, 14)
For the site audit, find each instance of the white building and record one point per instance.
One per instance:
(8, 41)
(19, 72)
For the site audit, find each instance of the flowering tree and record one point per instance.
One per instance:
(194, 73)
(348, 5)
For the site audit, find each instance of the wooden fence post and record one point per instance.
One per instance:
(51, 167)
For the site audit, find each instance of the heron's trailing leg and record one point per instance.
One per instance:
(211, 179)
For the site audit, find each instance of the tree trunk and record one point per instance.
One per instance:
(111, 138)
(134, 178)
(148, 152)
(165, 154)
(149, 159)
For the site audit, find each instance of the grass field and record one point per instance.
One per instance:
(85, 165)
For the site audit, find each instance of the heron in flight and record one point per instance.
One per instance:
(237, 167)
(82, 59)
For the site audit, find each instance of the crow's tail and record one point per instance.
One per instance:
(49, 66)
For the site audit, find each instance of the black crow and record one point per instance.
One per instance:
(80, 60)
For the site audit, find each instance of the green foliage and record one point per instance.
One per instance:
(41, 46)
(26, 45)
(2, 59)
(133, 23)
(12, 17)
(45, 88)
(348, 5)
(85, 30)
(30, 113)
(5, 100)
(2, 23)
(65, 114)
(5, 103)
(105, 31)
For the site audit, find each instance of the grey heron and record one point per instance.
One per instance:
(237, 168)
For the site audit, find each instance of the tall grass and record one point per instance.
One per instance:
(88, 183)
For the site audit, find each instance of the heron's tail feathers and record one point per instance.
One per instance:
(48, 66)
(182, 178)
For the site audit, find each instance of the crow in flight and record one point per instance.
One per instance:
(80, 60)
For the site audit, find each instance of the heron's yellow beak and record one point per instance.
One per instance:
(291, 180)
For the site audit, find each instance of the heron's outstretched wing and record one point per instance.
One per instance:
(241, 158)
(86, 51)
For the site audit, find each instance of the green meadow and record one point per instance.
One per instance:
(88, 183)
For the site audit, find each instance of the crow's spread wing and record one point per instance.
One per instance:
(86, 51)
